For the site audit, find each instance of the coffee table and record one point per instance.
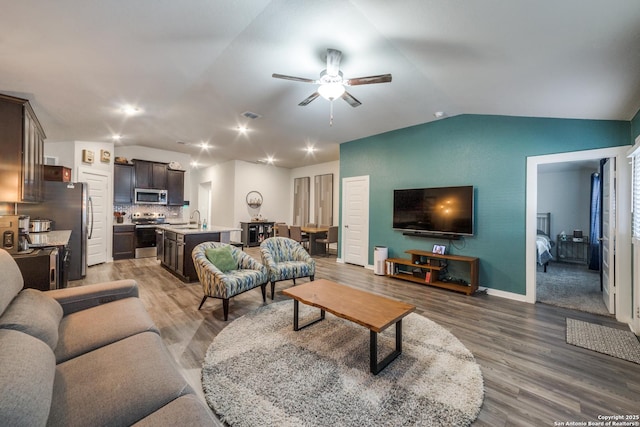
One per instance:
(372, 311)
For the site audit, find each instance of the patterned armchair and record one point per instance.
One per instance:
(224, 285)
(286, 259)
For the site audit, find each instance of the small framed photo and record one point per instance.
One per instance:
(439, 249)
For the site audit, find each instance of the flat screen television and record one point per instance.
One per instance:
(437, 211)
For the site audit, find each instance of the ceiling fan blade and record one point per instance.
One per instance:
(384, 78)
(295, 79)
(333, 62)
(351, 100)
(309, 99)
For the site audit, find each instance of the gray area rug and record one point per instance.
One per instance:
(571, 286)
(259, 372)
(603, 339)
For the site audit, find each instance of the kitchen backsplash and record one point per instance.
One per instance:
(172, 213)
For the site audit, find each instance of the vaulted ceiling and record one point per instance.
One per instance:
(194, 67)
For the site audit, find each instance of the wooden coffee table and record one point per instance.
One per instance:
(372, 311)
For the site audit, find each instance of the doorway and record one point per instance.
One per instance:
(621, 268)
(101, 206)
(571, 279)
(355, 220)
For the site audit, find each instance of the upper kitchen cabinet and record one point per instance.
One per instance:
(150, 174)
(21, 151)
(123, 183)
(175, 187)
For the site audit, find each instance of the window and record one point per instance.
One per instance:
(635, 190)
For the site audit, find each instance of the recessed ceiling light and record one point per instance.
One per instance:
(116, 137)
(242, 129)
(270, 160)
(194, 164)
(439, 114)
(131, 110)
(311, 149)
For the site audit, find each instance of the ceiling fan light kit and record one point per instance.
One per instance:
(331, 91)
(332, 84)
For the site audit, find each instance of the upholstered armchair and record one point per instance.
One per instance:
(231, 276)
(286, 259)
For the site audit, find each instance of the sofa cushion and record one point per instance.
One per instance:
(186, 410)
(86, 330)
(118, 384)
(26, 379)
(222, 258)
(11, 282)
(34, 313)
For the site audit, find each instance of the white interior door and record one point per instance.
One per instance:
(608, 234)
(355, 220)
(98, 222)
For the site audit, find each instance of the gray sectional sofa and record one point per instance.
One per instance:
(86, 356)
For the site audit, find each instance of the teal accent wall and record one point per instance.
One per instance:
(488, 152)
(635, 127)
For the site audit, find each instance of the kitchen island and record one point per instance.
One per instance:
(178, 242)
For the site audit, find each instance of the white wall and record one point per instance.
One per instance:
(230, 183)
(270, 181)
(567, 195)
(311, 171)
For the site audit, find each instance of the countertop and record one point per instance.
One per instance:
(50, 238)
(193, 229)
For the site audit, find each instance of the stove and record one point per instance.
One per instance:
(147, 219)
(146, 223)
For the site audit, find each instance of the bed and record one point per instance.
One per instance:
(544, 243)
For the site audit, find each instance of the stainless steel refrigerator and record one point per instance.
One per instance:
(68, 206)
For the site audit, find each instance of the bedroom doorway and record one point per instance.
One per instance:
(569, 205)
(621, 268)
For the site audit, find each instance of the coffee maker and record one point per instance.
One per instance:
(9, 233)
(23, 233)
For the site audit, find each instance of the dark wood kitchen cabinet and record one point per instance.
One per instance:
(124, 241)
(150, 174)
(175, 187)
(123, 183)
(21, 151)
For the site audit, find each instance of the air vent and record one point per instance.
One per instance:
(250, 115)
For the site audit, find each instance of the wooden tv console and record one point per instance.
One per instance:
(428, 272)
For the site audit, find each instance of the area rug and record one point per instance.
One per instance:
(571, 286)
(603, 339)
(259, 372)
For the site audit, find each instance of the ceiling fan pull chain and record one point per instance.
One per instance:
(331, 113)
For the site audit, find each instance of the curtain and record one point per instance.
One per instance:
(595, 221)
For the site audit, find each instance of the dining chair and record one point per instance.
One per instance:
(332, 237)
(295, 233)
(283, 230)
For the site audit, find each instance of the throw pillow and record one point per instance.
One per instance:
(222, 258)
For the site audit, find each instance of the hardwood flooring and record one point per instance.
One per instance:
(532, 377)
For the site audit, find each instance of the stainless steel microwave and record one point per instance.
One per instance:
(147, 196)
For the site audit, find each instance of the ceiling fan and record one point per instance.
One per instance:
(332, 83)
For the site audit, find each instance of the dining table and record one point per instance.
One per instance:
(315, 233)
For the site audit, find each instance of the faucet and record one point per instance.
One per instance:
(191, 217)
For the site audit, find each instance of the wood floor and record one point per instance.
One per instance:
(532, 377)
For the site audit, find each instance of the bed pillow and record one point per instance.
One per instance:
(222, 258)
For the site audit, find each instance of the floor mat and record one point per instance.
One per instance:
(614, 342)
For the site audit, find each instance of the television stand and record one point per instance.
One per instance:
(427, 274)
